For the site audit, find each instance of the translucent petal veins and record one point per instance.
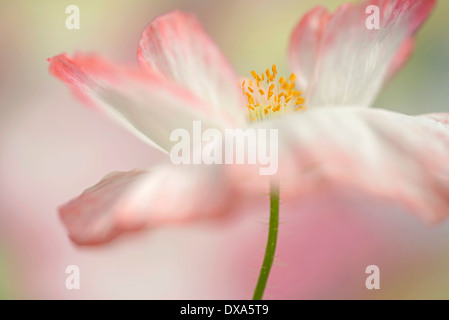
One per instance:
(271, 97)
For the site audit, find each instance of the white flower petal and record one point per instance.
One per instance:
(176, 46)
(339, 61)
(146, 104)
(398, 158)
(130, 201)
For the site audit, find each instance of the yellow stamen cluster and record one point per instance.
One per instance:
(267, 96)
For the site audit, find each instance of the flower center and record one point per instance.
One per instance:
(267, 96)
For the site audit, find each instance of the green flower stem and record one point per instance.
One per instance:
(271, 243)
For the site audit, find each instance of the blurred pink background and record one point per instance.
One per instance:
(52, 147)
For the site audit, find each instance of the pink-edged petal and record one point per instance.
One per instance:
(130, 201)
(305, 43)
(396, 158)
(439, 117)
(339, 61)
(403, 54)
(148, 105)
(176, 46)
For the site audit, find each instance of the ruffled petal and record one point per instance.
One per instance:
(339, 61)
(399, 159)
(304, 45)
(176, 47)
(148, 105)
